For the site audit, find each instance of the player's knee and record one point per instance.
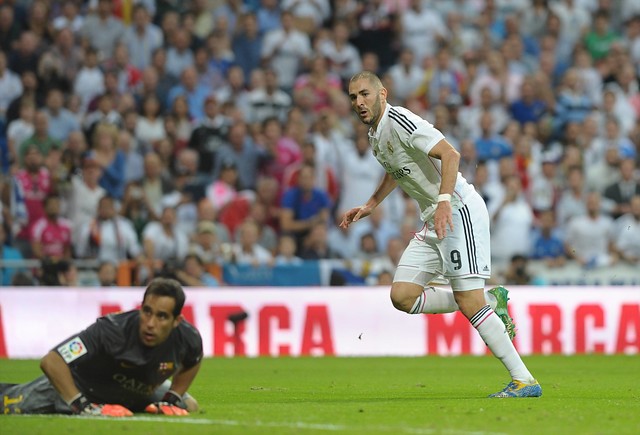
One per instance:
(401, 299)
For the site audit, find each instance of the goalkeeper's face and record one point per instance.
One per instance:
(367, 101)
(157, 319)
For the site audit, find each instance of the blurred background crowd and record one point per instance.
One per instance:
(160, 137)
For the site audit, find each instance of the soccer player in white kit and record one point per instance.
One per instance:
(454, 241)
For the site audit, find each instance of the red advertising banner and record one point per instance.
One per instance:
(335, 321)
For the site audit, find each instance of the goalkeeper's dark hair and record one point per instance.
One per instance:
(167, 287)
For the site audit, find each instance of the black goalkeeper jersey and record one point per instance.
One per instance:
(110, 364)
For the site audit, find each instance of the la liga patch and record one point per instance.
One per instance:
(72, 350)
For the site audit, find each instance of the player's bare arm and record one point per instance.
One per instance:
(182, 380)
(450, 159)
(59, 374)
(386, 186)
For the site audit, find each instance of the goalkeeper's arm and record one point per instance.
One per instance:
(60, 377)
(181, 382)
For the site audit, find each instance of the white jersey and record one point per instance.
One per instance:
(401, 143)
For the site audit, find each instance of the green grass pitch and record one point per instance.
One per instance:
(591, 394)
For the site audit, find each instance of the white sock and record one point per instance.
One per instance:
(434, 300)
(494, 334)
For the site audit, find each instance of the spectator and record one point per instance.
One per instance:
(286, 50)
(286, 255)
(31, 92)
(363, 172)
(34, 183)
(407, 77)
(26, 54)
(208, 135)
(473, 115)
(102, 30)
(10, 27)
(268, 101)
(142, 37)
(234, 92)
(491, 145)
(61, 121)
(382, 229)
(107, 274)
(85, 193)
(600, 39)
(89, 82)
(304, 206)
(282, 151)
(573, 103)
(315, 245)
(224, 189)
(108, 237)
(205, 243)
(421, 29)
(548, 246)
(40, 137)
(51, 234)
(589, 239)
(325, 177)
(8, 253)
(517, 273)
(58, 273)
(150, 124)
(60, 63)
(529, 107)
(133, 161)
(343, 57)
(179, 54)
(21, 129)
(110, 158)
(627, 235)
(69, 18)
(163, 245)
(195, 93)
(194, 274)
(621, 192)
(319, 84)
(156, 183)
(512, 221)
(247, 250)
(268, 16)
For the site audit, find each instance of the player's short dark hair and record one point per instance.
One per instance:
(167, 287)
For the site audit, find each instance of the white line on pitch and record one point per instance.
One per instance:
(291, 425)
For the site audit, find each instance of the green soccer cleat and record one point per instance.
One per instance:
(519, 389)
(502, 296)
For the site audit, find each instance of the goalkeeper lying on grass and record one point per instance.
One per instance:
(119, 365)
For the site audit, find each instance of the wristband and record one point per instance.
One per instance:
(171, 397)
(78, 403)
(444, 197)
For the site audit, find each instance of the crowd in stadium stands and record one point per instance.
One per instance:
(179, 136)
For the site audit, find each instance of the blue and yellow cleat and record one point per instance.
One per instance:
(502, 297)
(519, 389)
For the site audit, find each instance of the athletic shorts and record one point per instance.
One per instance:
(463, 256)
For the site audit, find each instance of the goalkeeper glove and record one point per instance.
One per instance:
(81, 406)
(168, 405)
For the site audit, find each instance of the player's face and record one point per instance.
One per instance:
(157, 319)
(367, 101)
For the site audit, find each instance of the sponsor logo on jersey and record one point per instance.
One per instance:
(72, 350)
(133, 385)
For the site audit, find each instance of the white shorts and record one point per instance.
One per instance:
(463, 256)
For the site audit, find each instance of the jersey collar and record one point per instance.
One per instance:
(381, 125)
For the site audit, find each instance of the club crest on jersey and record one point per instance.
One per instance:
(389, 147)
(166, 366)
(72, 349)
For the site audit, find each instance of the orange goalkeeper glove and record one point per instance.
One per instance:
(81, 406)
(168, 405)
